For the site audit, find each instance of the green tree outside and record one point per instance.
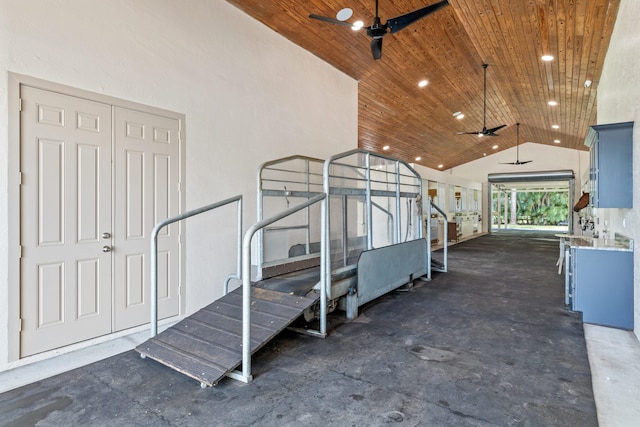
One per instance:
(539, 208)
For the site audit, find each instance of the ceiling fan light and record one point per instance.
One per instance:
(357, 25)
(480, 135)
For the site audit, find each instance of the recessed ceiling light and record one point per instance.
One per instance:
(547, 58)
(423, 83)
(553, 103)
(555, 126)
(495, 147)
(418, 158)
(557, 141)
(460, 116)
(357, 25)
(385, 148)
(344, 14)
(457, 113)
(484, 154)
(440, 166)
(587, 83)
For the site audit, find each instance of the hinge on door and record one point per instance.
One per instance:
(20, 248)
(19, 178)
(19, 104)
(19, 325)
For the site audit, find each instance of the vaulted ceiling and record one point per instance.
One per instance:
(448, 48)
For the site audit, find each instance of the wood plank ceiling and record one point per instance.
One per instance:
(448, 48)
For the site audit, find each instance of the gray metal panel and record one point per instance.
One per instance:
(385, 269)
(208, 344)
(559, 175)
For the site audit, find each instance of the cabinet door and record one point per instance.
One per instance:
(604, 287)
(613, 151)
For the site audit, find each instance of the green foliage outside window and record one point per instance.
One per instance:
(537, 208)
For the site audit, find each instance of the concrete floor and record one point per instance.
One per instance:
(488, 343)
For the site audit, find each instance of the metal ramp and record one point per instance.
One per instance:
(207, 345)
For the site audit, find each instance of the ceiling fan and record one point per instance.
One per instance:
(377, 30)
(518, 162)
(484, 131)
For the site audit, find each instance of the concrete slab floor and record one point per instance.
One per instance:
(488, 343)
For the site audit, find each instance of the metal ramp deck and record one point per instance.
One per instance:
(208, 344)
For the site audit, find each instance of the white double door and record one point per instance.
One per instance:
(95, 178)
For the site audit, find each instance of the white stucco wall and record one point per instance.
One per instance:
(619, 101)
(248, 94)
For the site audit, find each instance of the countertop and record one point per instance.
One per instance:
(619, 243)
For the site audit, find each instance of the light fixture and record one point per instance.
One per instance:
(460, 116)
(423, 83)
(344, 14)
(484, 154)
(418, 158)
(557, 141)
(495, 147)
(587, 83)
(555, 126)
(440, 166)
(385, 148)
(553, 103)
(357, 25)
(547, 58)
(480, 135)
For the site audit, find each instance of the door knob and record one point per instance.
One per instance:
(106, 235)
(106, 249)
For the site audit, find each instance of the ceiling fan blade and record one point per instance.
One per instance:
(399, 22)
(376, 48)
(330, 20)
(492, 130)
(509, 163)
(468, 133)
(526, 161)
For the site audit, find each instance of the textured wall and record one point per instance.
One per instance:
(248, 95)
(619, 101)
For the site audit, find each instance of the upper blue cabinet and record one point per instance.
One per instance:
(611, 173)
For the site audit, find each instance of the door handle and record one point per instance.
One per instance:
(106, 235)
(107, 248)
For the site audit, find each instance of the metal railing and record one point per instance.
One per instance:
(298, 172)
(154, 251)
(245, 376)
(431, 205)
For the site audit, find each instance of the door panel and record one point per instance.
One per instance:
(65, 208)
(147, 147)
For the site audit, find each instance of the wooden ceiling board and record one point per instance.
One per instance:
(448, 48)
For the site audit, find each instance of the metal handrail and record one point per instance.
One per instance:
(154, 251)
(446, 232)
(246, 282)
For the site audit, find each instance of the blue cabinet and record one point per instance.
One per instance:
(611, 173)
(602, 286)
